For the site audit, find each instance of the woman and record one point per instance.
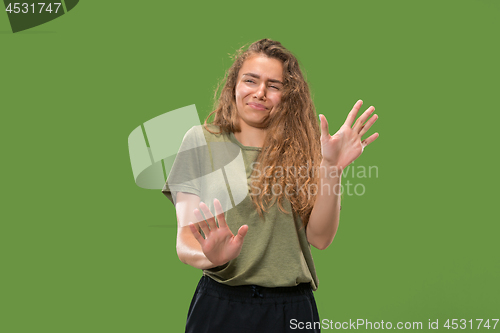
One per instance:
(258, 272)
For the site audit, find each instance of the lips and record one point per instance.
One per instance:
(257, 106)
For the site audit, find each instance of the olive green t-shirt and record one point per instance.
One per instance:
(275, 251)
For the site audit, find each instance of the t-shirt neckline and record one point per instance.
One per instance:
(233, 138)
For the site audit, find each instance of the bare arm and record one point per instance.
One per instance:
(324, 219)
(188, 248)
(338, 152)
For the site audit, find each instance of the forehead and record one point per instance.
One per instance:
(267, 68)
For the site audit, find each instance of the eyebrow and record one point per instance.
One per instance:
(258, 77)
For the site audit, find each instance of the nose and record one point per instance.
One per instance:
(260, 93)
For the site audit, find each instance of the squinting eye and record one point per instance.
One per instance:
(249, 81)
(275, 87)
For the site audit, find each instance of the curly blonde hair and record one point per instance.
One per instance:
(293, 137)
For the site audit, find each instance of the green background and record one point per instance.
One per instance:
(83, 249)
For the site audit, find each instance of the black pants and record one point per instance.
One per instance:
(219, 308)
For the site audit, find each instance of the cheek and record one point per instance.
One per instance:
(276, 99)
(242, 92)
(239, 95)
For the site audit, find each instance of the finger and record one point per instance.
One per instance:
(220, 214)
(242, 231)
(368, 124)
(208, 216)
(325, 134)
(196, 233)
(358, 125)
(199, 217)
(203, 225)
(370, 139)
(352, 115)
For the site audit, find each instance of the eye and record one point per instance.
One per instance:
(275, 87)
(249, 81)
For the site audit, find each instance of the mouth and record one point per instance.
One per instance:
(257, 106)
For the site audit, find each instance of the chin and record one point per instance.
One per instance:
(260, 124)
(258, 118)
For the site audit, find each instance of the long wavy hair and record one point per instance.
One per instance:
(291, 149)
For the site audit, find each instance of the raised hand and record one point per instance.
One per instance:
(219, 244)
(345, 146)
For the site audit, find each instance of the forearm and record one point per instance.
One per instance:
(189, 251)
(324, 219)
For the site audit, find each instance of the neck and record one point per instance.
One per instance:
(251, 136)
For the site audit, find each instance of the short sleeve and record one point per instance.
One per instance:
(185, 175)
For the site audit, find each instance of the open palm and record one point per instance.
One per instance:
(219, 244)
(345, 146)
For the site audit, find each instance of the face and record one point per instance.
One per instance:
(258, 90)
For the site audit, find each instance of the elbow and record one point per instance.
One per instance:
(322, 246)
(181, 255)
(322, 238)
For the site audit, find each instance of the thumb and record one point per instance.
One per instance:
(324, 128)
(242, 231)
